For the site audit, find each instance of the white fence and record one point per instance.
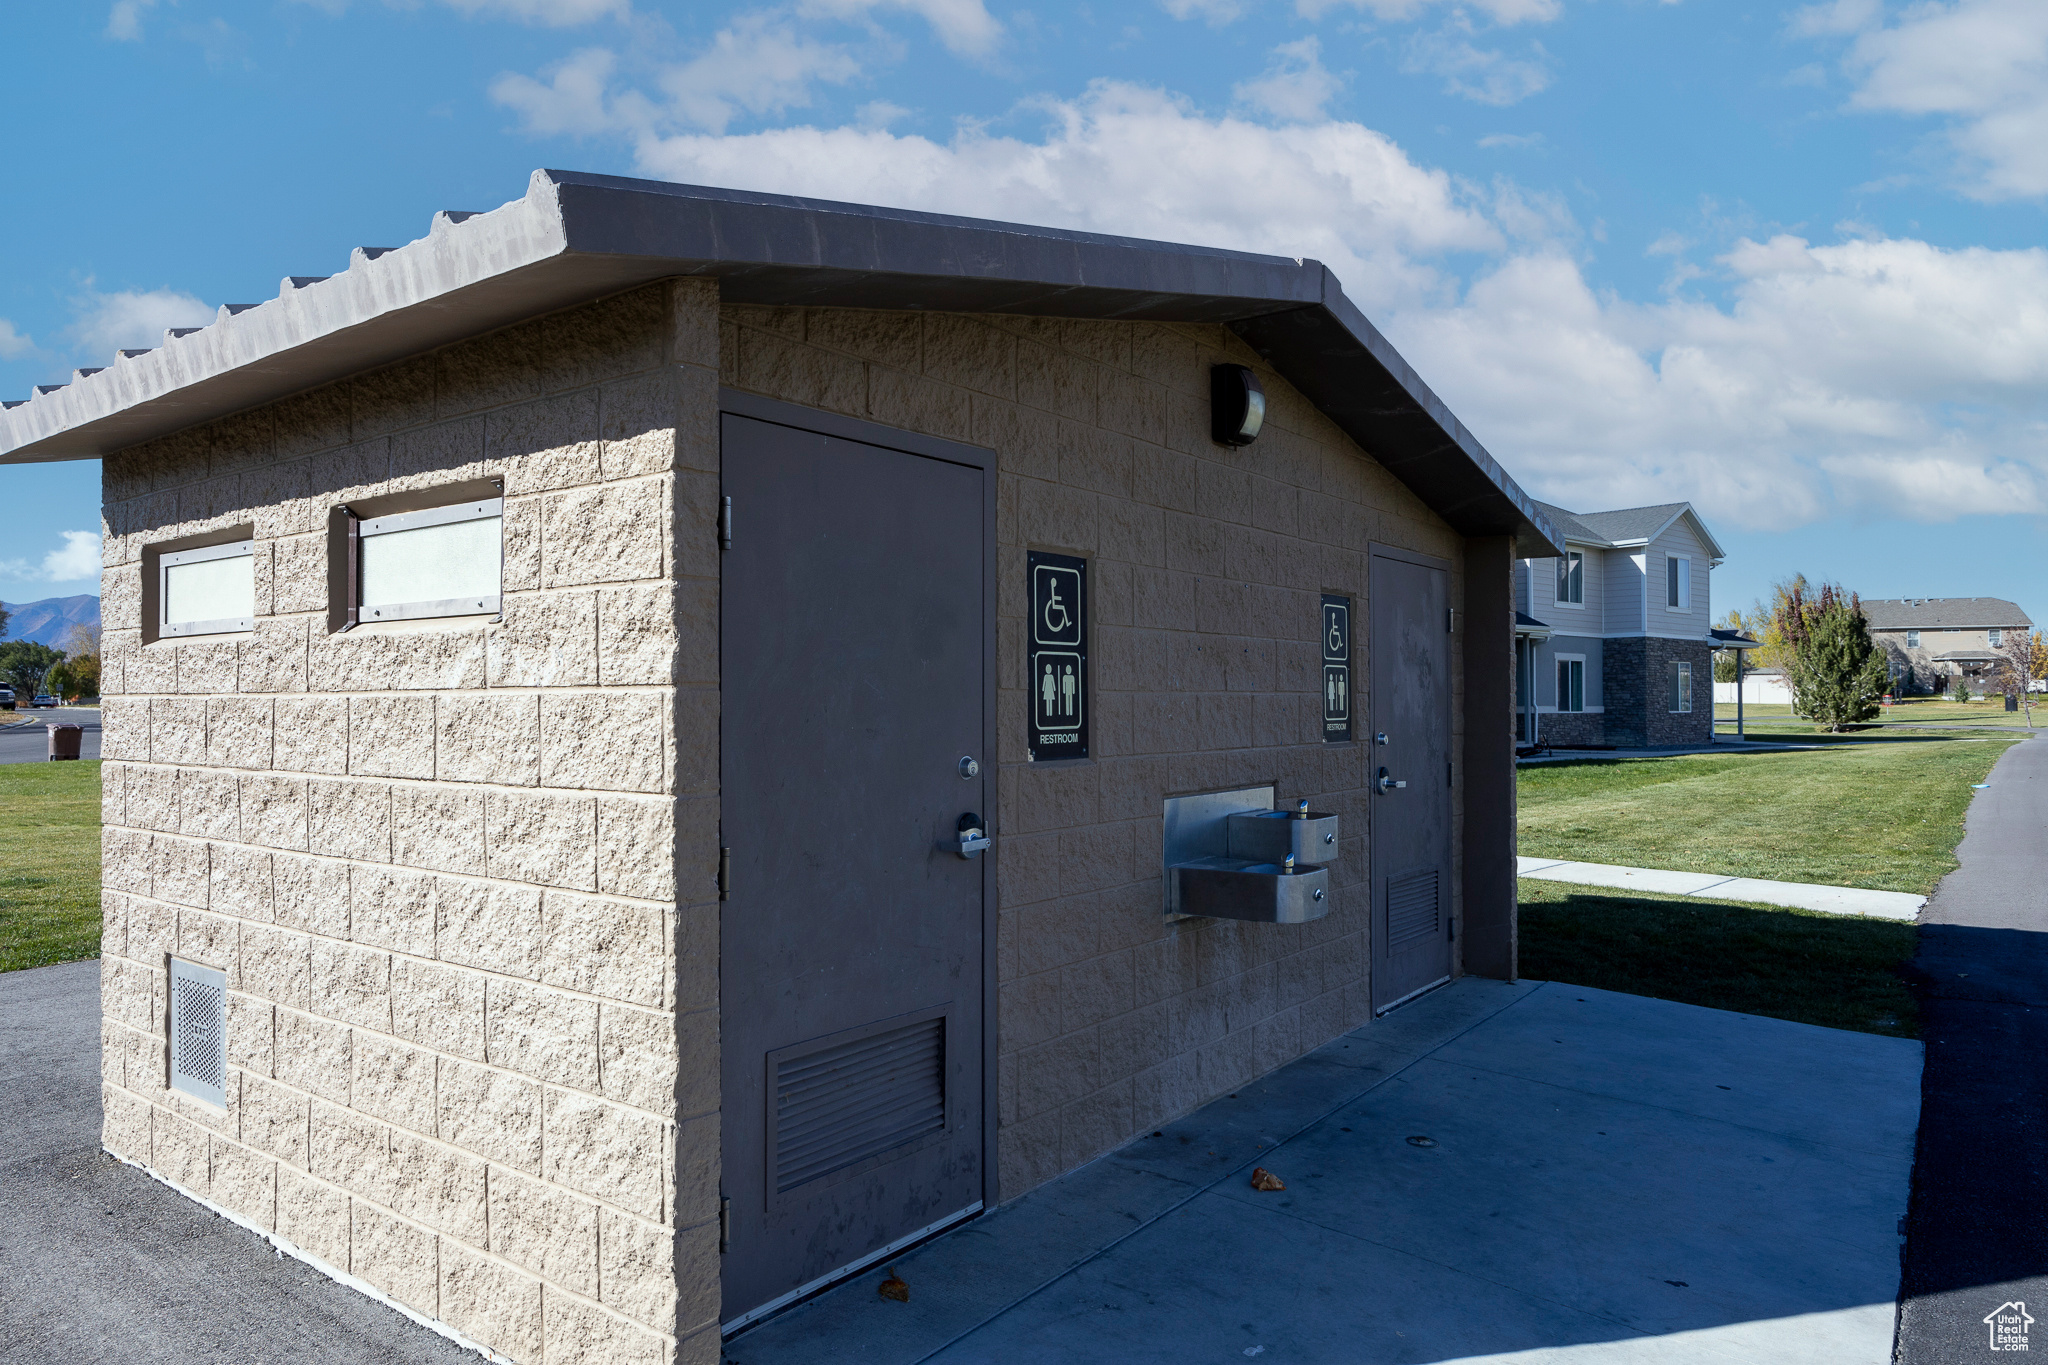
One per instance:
(1766, 689)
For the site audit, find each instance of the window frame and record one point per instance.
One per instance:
(167, 560)
(1994, 635)
(1913, 639)
(1566, 664)
(361, 528)
(1677, 582)
(1679, 699)
(1567, 579)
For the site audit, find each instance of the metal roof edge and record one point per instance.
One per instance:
(575, 236)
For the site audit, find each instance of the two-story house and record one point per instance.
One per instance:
(1616, 642)
(1940, 638)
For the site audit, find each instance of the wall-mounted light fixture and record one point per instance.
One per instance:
(1237, 405)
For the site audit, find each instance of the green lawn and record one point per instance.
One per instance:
(1991, 712)
(49, 863)
(1838, 971)
(1883, 816)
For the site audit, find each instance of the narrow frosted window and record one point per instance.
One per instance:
(208, 590)
(446, 561)
(1681, 686)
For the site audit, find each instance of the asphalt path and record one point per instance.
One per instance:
(30, 743)
(1976, 1234)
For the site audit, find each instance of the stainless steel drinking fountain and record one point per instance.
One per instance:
(1233, 856)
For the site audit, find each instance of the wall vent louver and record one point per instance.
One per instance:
(199, 1032)
(1412, 908)
(841, 1104)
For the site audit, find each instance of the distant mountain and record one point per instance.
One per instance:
(50, 621)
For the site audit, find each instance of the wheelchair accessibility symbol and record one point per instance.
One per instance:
(1056, 605)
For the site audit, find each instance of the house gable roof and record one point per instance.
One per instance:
(1629, 526)
(1942, 613)
(574, 237)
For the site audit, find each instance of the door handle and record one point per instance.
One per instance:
(973, 838)
(1386, 783)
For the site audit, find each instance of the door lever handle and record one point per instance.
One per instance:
(1386, 783)
(973, 838)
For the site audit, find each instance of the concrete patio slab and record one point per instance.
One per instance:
(1834, 900)
(1603, 1176)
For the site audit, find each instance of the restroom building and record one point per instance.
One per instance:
(646, 730)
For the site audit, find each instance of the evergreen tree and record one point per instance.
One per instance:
(1838, 673)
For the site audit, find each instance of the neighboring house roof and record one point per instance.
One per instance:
(1966, 656)
(1629, 526)
(1525, 624)
(1732, 639)
(1941, 613)
(574, 237)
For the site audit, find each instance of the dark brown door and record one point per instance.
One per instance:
(1411, 775)
(851, 961)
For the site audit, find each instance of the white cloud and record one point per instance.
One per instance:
(1983, 64)
(548, 13)
(124, 20)
(553, 13)
(1881, 376)
(964, 26)
(1488, 76)
(1512, 140)
(14, 345)
(1295, 86)
(1499, 11)
(77, 561)
(1216, 13)
(759, 65)
(103, 323)
(1130, 160)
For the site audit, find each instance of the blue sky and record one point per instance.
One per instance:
(1779, 260)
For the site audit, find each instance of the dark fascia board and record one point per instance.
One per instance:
(575, 237)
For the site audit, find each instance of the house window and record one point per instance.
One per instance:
(208, 590)
(1571, 684)
(1681, 686)
(1571, 579)
(442, 561)
(1677, 583)
(1912, 639)
(1995, 636)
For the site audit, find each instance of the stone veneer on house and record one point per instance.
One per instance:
(460, 874)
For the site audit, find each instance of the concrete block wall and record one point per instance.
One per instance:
(1207, 566)
(473, 1015)
(1663, 725)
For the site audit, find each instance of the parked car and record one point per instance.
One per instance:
(6, 699)
(43, 699)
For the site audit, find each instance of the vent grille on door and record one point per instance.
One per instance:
(1412, 908)
(199, 1031)
(843, 1104)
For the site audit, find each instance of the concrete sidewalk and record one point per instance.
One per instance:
(1543, 1173)
(1548, 1172)
(1836, 900)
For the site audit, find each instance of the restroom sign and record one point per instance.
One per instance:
(1336, 669)
(1057, 677)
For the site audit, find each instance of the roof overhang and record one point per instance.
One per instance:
(575, 237)
(1531, 628)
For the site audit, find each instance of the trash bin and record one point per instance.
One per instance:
(63, 741)
(2012, 703)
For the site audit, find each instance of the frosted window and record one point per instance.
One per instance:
(450, 564)
(210, 590)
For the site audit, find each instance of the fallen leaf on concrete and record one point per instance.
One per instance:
(1263, 1179)
(894, 1288)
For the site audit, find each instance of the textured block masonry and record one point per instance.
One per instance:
(439, 861)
